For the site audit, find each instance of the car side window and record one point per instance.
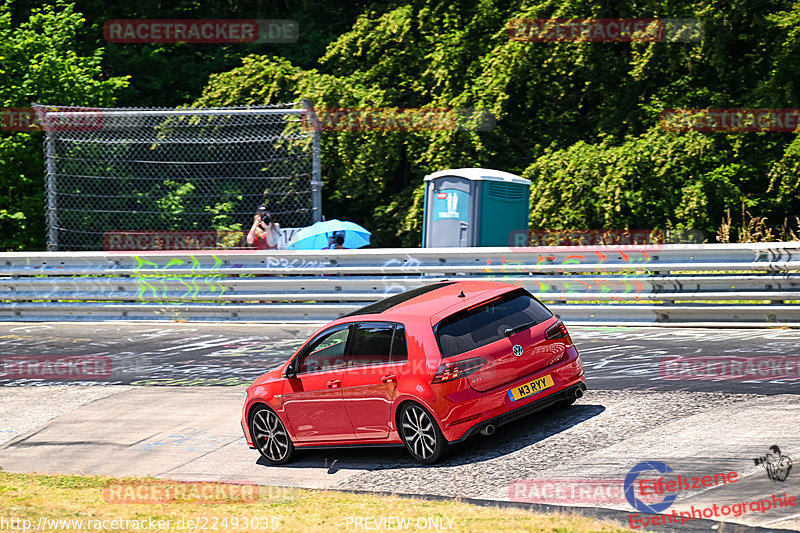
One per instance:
(325, 353)
(399, 346)
(372, 345)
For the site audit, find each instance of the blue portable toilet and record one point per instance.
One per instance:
(474, 207)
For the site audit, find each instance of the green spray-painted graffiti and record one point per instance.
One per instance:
(200, 284)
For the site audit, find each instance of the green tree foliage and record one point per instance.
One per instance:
(372, 177)
(579, 119)
(170, 74)
(656, 180)
(39, 63)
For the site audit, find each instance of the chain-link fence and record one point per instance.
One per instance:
(176, 170)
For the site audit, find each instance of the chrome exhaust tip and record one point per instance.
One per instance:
(578, 393)
(487, 430)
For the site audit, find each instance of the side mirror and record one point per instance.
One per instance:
(290, 371)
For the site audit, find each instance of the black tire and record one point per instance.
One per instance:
(421, 434)
(270, 436)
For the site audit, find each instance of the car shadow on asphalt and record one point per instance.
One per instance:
(356, 458)
(520, 433)
(507, 439)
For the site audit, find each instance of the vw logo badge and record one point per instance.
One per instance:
(517, 349)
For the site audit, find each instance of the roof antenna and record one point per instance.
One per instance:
(461, 295)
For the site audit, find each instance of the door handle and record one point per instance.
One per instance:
(334, 383)
(390, 378)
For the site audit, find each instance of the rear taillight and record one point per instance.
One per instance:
(558, 331)
(458, 369)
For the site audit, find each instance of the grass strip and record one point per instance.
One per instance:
(94, 503)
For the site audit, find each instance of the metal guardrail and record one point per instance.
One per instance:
(718, 284)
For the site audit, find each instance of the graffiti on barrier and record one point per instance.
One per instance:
(155, 287)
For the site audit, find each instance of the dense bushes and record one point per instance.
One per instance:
(579, 119)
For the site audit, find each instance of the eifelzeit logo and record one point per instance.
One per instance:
(667, 488)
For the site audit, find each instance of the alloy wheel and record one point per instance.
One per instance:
(421, 434)
(270, 436)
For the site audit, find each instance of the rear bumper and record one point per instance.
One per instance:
(524, 410)
(468, 410)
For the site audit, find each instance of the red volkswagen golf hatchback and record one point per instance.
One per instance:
(426, 368)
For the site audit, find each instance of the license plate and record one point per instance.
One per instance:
(530, 388)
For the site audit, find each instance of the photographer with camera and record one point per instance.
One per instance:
(335, 241)
(776, 464)
(264, 233)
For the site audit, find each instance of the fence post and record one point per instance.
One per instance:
(52, 206)
(316, 167)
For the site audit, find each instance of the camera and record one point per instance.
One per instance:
(337, 238)
(265, 215)
(774, 454)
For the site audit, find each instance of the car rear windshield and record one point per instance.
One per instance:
(487, 323)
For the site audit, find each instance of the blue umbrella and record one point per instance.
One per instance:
(315, 237)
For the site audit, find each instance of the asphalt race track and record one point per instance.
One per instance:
(170, 404)
(234, 354)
